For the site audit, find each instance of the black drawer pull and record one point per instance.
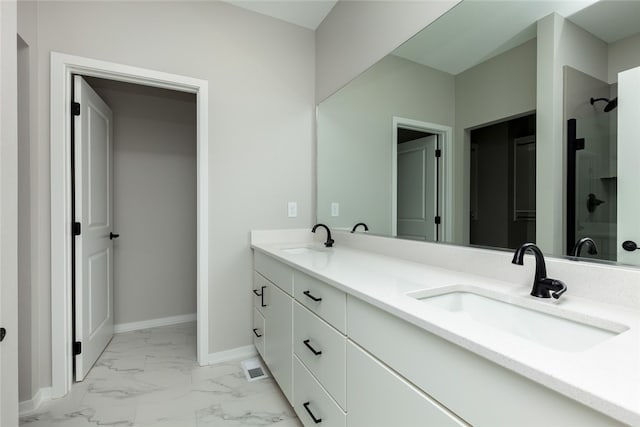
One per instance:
(313, 350)
(308, 293)
(255, 332)
(262, 297)
(313, 417)
(257, 293)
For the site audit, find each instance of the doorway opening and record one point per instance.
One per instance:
(503, 183)
(142, 171)
(63, 67)
(420, 180)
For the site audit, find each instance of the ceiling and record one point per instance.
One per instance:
(306, 13)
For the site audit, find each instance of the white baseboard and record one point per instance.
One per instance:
(28, 406)
(153, 323)
(233, 354)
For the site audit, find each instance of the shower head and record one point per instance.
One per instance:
(611, 104)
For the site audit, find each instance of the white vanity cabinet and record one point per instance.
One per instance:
(273, 310)
(475, 389)
(378, 397)
(343, 362)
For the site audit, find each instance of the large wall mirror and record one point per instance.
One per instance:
(499, 123)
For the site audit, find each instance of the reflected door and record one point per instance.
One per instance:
(628, 170)
(417, 189)
(93, 164)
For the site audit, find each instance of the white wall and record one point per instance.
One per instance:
(560, 43)
(356, 34)
(261, 82)
(355, 133)
(509, 78)
(623, 55)
(8, 214)
(154, 152)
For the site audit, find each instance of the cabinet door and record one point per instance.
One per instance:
(258, 331)
(278, 354)
(379, 397)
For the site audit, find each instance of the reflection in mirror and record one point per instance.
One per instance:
(461, 134)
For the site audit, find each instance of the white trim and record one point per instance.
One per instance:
(29, 406)
(62, 67)
(233, 354)
(446, 174)
(154, 323)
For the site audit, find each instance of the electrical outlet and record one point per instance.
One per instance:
(335, 209)
(292, 209)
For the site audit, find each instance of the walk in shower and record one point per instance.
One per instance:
(590, 111)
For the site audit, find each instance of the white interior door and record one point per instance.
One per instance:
(94, 211)
(417, 192)
(628, 171)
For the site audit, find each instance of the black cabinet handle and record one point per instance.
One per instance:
(313, 350)
(629, 245)
(113, 236)
(262, 296)
(3, 333)
(257, 293)
(308, 293)
(313, 417)
(255, 332)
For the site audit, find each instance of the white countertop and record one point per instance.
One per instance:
(605, 377)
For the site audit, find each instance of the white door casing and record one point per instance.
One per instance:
(445, 178)
(93, 151)
(417, 189)
(628, 171)
(8, 215)
(63, 66)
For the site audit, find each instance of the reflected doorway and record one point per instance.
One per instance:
(503, 183)
(418, 156)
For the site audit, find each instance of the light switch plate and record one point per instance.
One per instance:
(292, 209)
(335, 209)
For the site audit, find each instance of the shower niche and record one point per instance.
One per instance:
(590, 112)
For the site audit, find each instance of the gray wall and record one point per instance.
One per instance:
(261, 111)
(30, 217)
(357, 34)
(154, 200)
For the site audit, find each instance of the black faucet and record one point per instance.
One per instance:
(542, 285)
(329, 241)
(353, 230)
(592, 248)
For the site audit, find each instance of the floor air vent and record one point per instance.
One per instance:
(253, 369)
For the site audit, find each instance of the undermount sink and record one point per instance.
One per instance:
(303, 250)
(553, 330)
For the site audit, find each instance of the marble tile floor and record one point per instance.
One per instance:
(151, 378)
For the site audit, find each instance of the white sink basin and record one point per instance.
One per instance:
(552, 330)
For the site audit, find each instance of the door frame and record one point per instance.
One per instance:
(63, 66)
(445, 136)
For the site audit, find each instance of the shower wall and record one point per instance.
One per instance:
(595, 164)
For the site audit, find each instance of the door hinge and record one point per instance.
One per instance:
(438, 152)
(77, 229)
(438, 220)
(75, 108)
(77, 348)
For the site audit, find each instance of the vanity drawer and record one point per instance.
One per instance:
(312, 403)
(258, 331)
(323, 299)
(311, 336)
(275, 271)
(474, 388)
